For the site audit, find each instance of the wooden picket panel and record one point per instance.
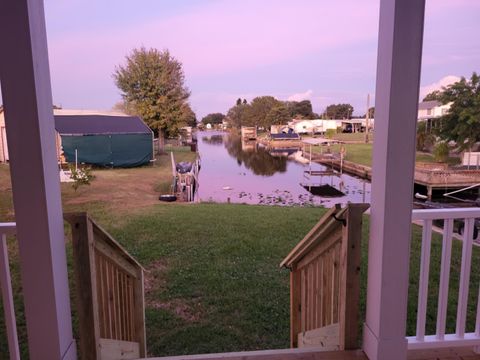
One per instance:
(325, 281)
(110, 294)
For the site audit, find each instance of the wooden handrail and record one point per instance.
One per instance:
(325, 281)
(110, 294)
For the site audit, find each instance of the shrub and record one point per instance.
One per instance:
(330, 132)
(80, 176)
(425, 139)
(441, 152)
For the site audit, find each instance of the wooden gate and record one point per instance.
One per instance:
(110, 296)
(325, 281)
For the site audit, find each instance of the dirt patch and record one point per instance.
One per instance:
(119, 188)
(154, 277)
(180, 308)
(154, 282)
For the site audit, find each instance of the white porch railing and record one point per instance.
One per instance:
(451, 218)
(7, 296)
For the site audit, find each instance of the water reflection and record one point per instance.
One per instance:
(254, 157)
(216, 139)
(246, 172)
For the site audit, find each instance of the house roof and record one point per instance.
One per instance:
(425, 105)
(95, 124)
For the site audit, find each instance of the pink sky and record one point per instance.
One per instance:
(319, 50)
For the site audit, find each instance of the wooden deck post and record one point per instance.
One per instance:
(85, 282)
(27, 96)
(350, 259)
(397, 88)
(325, 281)
(110, 294)
(295, 310)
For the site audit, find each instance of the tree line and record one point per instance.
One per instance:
(264, 111)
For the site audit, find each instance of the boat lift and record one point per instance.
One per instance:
(320, 188)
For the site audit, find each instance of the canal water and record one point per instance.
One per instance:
(247, 172)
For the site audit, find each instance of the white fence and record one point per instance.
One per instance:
(464, 218)
(7, 296)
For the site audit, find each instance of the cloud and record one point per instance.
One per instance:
(445, 81)
(307, 95)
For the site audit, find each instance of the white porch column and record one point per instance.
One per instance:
(396, 102)
(27, 96)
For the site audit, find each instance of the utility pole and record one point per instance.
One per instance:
(367, 119)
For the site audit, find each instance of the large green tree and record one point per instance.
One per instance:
(152, 83)
(434, 95)
(300, 109)
(188, 116)
(260, 107)
(214, 118)
(279, 115)
(462, 122)
(239, 115)
(338, 111)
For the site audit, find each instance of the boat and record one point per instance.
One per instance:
(185, 178)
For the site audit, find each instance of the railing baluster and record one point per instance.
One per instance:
(464, 277)
(477, 322)
(423, 284)
(8, 306)
(444, 278)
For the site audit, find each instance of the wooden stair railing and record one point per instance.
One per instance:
(325, 281)
(109, 292)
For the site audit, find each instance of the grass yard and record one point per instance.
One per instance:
(354, 137)
(362, 153)
(213, 282)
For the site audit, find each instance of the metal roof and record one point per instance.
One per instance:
(95, 124)
(425, 105)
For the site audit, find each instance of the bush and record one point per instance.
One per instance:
(330, 132)
(425, 139)
(80, 176)
(441, 152)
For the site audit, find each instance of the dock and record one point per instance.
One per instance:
(431, 176)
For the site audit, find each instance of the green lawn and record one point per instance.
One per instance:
(362, 153)
(352, 137)
(213, 282)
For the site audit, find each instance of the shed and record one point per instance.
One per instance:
(105, 140)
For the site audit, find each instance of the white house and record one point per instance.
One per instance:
(429, 110)
(315, 126)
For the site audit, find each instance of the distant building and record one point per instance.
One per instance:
(315, 126)
(429, 110)
(320, 126)
(279, 129)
